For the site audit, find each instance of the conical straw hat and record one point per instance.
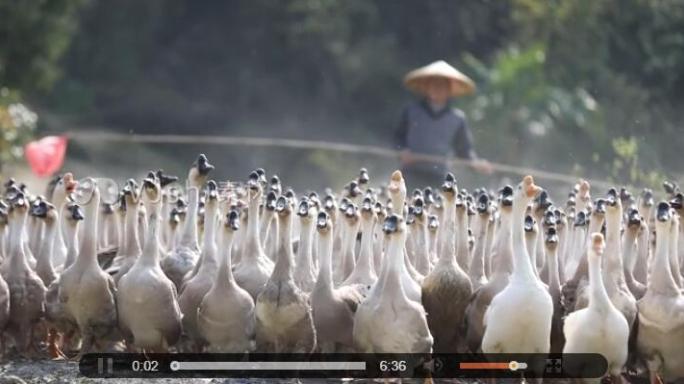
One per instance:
(417, 79)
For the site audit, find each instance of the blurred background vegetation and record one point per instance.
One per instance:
(586, 87)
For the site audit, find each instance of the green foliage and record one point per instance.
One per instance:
(17, 123)
(34, 33)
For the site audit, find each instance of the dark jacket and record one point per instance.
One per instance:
(443, 132)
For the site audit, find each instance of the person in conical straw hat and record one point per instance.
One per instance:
(430, 126)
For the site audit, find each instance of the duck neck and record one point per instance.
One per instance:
(447, 253)
(660, 279)
(629, 249)
(325, 274)
(225, 272)
(87, 255)
(531, 244)
(71, 229)
(283, 266)
(61, 234)
(17, 257)
(674, 252)
(252, 246)
(522, 267)
(365, 254)
(395, 259)
(150, 254)
(613, 260)
(552, 260)
(462, 251)
(305, 250)
(48, 244)
(189, 236)
(348, 241)
(131, 241)
(503, 260)
(477, 265)
(599, 296)
(421, 246)
(209, 248)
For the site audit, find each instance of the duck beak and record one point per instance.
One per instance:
(69, 182)
(531, 190)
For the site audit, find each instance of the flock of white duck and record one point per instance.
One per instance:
(369, 270)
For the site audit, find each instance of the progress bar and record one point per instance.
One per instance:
(268, 365)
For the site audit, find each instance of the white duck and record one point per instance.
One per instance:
(661, 310)
(349, 222)
(254, 268)
(364, 271)
(633, 223)
(147, 301)
(420, 236)
(502, 264)
(305, 272)
(72, 214)
(45, 212)
(397, 191)
(476, 271)
(506, 330)
(600, 327)
(130, 249)
(88, 292)
(446, 290)
(333, 309)
(193, 290)
(183, 258)
(388, 321)
(283, 312)
(613, 274)
(26, 289)
(225, 318)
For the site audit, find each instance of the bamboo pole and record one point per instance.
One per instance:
(86, 137)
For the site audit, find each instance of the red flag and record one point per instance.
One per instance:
(46, 156)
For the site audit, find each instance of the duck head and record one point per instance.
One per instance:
(151, 191)
(199, 171)
(581, 219)
(670, 187)
(380, 211)
(550, 219)
(626, 197)
(351, 213)
(647, 198)
(233, 220)
(270, 203)
(283, 207)
(352, 189)
(482, 205)
(663, 213)
(367, 209)
(393, 224)
(506, 197)
(428, 196)
(633, 219)
(306, 209)
(433, 223)
(542, 202)
(530, 224)
(397, 186)
(598, 245)
(253, 186)
(419, 209)
(364, 178)
(449, 187)
(75, 212)
(323, 223)
(525, 191)
(329, 204)
(211, 195)
(584, 192)
(130, 193)
(275, 186)
(165, 179)
(600, 208)
(551, 238)
(43, 210)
